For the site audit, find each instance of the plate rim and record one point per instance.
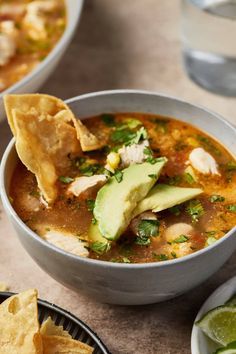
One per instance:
(62, 311)
(206, 306)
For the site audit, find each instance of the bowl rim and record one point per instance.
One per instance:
(206, 306)
(68, 32)
(51, 306)
(101, 263)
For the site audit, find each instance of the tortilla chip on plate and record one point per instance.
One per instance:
(46, 132)
(19, 326)
(63, 345)
(49, 328)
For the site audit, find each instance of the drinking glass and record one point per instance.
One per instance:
(209, 44)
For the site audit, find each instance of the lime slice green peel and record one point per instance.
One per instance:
(219, 324)
(229, 349)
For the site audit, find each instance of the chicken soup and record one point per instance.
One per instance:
(28, 31)
(124, 187)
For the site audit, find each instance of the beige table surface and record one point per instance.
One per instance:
(121, 44)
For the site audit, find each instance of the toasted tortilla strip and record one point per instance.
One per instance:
(46, 132)
(43, 145)
(49, 328)
(88, 141)
(40, 103)
(63, 345)
(19, 326)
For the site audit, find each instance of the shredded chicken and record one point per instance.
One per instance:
(67, 242)
(172, 233)
(7, 48)
(203, 162)
(132, 154)
(81, 184)
(34, 20)
(12, 10)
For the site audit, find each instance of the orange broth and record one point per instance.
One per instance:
(168, 137)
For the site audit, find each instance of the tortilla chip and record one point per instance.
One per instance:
(19, 326)
(49, 328)
(3, 286)
(46, 132)
(63, 345)
(87, 140)
(44, 138)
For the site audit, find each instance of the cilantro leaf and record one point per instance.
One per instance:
(99, 247)
(181, 239)
(65, 179)
(195, 209)
(122, 136)
(147, 229)
(216, 198)
(108, 119)
(118, 175)
(160, 257)
(90, 204)
(231, 166)
(175, 210)
(141, 134)
(189, 178)
(231, 208)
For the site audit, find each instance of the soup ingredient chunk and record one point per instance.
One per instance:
(7, 48)
(34, 21)
(19, 324)
(203, 162)
(46, 137)
(162, 197)
(66, 241)
(178, 237)
(133, 153)
(116, 201)
(81, 184)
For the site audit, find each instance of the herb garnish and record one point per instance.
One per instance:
(161, 124)
(209, 144)
(189, 178)
(153, 175)
(231, 208)
(216, 198)
(174, 180)
(118, 175)
(150, 158)
(180, 239)
(231, 166)
(128, 137)
(35, 194)
(99, 247)
(195, 209)
(90, 204)
(108, 119)
(160, 257)
(175, 210)
(65, 179)
(147, 229)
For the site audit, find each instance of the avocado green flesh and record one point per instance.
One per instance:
(162, 197)
(115, 201)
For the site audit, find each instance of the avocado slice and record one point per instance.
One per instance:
(97, 242)
(115, 201)
(163, 197)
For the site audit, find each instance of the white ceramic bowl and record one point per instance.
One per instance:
(127, 283)
(201, 344)
(32, 81)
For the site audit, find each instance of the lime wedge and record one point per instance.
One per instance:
(219, 324)
(231, 301)
(230, 349)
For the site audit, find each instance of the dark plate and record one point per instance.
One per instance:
(77, 329)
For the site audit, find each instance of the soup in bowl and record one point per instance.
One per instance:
(129, 205)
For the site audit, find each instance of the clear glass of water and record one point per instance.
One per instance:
(209, 44)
